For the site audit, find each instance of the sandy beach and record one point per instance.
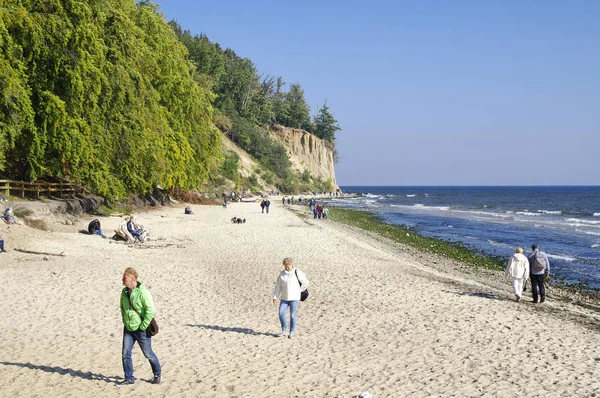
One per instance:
(380, 318)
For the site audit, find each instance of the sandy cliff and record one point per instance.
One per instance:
(307, 152)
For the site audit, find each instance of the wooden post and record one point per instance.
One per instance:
(37, 191)
(22, 189)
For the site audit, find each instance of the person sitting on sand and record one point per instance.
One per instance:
(287, 289)
(188, 210)
(94, 228)
(518, 270)
(8, 216)
(2, 245)
(137, 232)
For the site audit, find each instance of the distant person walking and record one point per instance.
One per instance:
(262, 206)
(518, 270)
(267, 205)
(539, 267)
(287, 289)
(137, 310)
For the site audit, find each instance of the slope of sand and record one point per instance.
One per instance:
(378, 318)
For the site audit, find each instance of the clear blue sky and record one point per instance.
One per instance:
(439, 92)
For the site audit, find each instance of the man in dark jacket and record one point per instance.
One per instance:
(539, 268)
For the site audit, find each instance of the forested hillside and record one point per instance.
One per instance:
(107, 93)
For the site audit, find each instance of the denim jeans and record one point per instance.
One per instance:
(1, 245)
(145, 342)
(283, 306)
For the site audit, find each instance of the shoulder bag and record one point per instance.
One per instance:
(152, 328)
(303, 293)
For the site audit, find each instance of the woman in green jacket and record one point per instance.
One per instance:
(137, 310)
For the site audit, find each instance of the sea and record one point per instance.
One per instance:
(563, 220)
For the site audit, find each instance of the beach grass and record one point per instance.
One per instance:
(398, 233)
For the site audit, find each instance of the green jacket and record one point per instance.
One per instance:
(142, 302)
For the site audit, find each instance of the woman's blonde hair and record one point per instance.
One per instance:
(132, 272)
(519, 250)
(288, 260)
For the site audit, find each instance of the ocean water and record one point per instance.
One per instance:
(564, 221)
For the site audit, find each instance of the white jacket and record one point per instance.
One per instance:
(287, 287)
(518, 266)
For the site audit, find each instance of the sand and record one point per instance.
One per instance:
(380, 317)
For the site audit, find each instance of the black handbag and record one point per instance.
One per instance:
(303, 293)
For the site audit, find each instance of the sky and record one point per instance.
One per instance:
(431, 92)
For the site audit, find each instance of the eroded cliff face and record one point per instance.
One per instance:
(307, 152)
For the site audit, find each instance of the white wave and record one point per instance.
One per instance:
(549, 212)
(583, 222)
(488, 213)
(410, 196)
(596, 214)
(450, 226)
(588, 232)
(371, 196)
(499, 244)
(528, 213)
(596, 245)
(418, 205)
(559, 257)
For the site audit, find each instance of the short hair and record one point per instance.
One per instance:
(288, 260)
(534, 246)
(132, 272)
(519, 250)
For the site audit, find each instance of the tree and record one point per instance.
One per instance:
(326, 125)
(299, 114)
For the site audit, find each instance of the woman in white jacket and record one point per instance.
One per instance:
(287, 289)
(518, 270)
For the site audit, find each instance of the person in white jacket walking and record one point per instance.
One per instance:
(518, 270)
(287, 290)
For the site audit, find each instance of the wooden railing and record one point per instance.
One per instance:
(39, 188)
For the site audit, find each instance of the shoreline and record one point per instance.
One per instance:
(381, 317)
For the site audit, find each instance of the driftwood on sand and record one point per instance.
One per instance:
(61, 254)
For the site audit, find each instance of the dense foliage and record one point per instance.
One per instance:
(242, 92)
(101, 92)
(108, 94)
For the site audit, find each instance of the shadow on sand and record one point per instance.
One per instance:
(63, 371)
(234, 330)
(488, 296)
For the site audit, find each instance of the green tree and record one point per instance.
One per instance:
(325, 125)
(299, 113)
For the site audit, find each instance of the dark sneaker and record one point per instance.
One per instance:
(542, 300)
(155, 380)
(124, 383)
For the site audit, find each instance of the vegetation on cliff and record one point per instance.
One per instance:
(108, 94)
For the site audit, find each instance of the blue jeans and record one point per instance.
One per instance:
(145, 342)
(283, 306)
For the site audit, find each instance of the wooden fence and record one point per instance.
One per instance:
(40, 188)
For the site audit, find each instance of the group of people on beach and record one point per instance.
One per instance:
(138, 310)
(128, 230)
(534, 267)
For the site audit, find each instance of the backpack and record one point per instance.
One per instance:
(538, 263)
